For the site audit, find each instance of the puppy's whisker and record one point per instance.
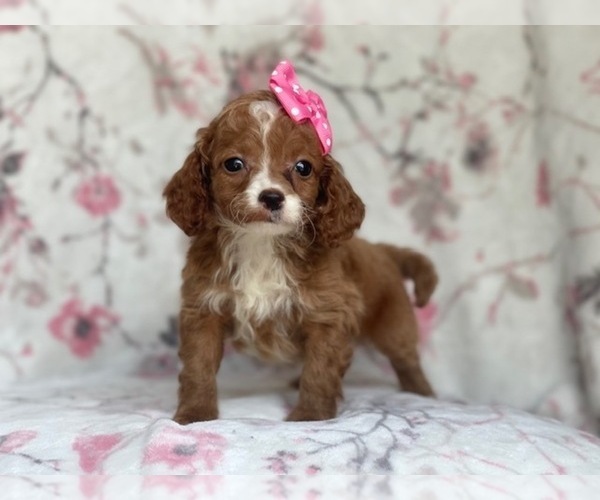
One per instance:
(306, 220)
(233, 208)
(314, 231)
(236, 209)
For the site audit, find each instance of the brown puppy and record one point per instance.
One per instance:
(273, 264)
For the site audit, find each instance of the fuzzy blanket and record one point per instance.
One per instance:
(121, 425)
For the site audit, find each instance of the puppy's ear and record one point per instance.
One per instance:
(188, 192)
(340, 211)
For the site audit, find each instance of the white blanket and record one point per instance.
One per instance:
(109, 424)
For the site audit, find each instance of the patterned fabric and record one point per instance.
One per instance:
(117, 425)
(265, 12)
(309, 487)
(476, 145)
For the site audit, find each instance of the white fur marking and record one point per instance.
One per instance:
(265, 113)
(260, 280)
(261, 181)
(262, 287)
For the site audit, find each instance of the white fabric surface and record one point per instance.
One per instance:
(309, 487)
(118, 425)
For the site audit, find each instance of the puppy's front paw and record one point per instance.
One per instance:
(300, 414)
(187, 415)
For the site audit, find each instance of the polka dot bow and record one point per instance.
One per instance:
(301, 104)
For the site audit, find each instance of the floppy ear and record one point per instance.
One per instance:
(188, 192)
(340, 211)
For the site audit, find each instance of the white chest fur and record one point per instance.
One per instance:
(261, 288)
(261, 285)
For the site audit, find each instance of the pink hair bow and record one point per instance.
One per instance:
(301, 104)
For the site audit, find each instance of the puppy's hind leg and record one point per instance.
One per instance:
(327, 355)
(396, 336)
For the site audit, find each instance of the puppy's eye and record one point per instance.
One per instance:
(234, 165)
(303, 168)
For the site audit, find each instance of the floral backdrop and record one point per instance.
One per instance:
(477, 145)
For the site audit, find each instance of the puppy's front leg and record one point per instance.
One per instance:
(327, 355)
(201, 350)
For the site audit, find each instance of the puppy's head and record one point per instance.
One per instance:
(255, 169)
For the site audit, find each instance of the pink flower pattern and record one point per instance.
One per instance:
(98, 195)
(81, 329)
(11, 28)
(14, 440)
(426, 317)
(184, 449)
(93, 450)
(4, 4)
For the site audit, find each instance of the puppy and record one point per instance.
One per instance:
(273, 264)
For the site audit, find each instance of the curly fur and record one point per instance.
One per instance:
(286, 284)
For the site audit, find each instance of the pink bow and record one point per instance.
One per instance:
(301, 104)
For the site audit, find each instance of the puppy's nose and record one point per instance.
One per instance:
(271, 199)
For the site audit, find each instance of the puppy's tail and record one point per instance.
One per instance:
(416, 267)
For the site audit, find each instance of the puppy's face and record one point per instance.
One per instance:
(255, 168)
(264, 168)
